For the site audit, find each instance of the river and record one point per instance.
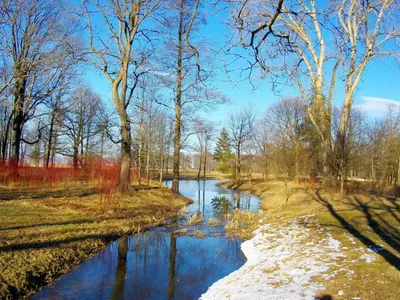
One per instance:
(159, 264)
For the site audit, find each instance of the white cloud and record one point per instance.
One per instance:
(375, 105)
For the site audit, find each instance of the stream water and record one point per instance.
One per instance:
(159, 265)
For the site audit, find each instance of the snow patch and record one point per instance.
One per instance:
(281, 263)
(369, 258)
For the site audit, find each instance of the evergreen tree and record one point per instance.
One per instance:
(223, 153)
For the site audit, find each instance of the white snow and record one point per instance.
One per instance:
(280, 265)
(369, 258)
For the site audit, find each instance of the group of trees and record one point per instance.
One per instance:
(45, 45)
(160, 73)
(283, 143)
(311, 45)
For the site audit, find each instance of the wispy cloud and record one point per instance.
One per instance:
(375, 105)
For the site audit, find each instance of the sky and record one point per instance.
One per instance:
(379, 87)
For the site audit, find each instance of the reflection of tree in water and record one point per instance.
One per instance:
(221, 204)
(201, 196)
(121, 268)
(242, 201)
(172, 262)
(201, 262)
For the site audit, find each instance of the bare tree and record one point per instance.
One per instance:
(114, 27)
(189, 73)
(81, 124)
(205, 131)
(183, 34)
(368, 30)
(293, 30)
(302, 41)
(240, 127)
(286, 120)
(35, 40)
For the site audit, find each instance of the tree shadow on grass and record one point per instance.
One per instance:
(376, 222)
(55, 243)
(324, 297)
(6, 195)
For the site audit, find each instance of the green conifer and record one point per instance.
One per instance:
(223, 153)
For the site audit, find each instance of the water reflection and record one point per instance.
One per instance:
(153, 265)
(172, 261)
(156, 264)
(204, 191)
(121, 268)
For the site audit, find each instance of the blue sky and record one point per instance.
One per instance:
(380, 85)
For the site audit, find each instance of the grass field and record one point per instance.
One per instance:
(46, 232)
(363, 223)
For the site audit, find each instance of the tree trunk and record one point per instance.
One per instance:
(205, 159)
(140, 163)
(4, 146)
(75, 158)
(177, 148)
(37, 154)
(18, 121)
(102, 148)
(238, 163)
(53, 149)
(50, 143)
(200, 159)
(322, 121)
(161, 168)
(148, 163)
(16, 144)
(172, 263)
(177, 129)
(126, 158)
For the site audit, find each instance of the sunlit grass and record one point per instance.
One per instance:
(45, 232)
(195, 219)
(242, 224)
(356, 220)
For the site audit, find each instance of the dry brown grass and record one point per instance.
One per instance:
(357, 220)
(44, 233)
(242, 224)
(195, 219)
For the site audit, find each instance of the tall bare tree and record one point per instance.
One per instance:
(190, 73)
(367, 30)
(310, 44)
(36, 41)
(240, 127)
(114, 28)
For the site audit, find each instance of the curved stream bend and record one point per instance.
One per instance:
(158, 265)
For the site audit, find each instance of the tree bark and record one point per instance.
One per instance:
(4, 146)
(178, 106)
(200, 159)
(126, 158)
(205, 159)
(75, 156)
(238, 163)
(50, 143)
(18, 120)
(161, 168)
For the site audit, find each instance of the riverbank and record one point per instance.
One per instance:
(193, 175)
(312, 243)
(47, 232)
